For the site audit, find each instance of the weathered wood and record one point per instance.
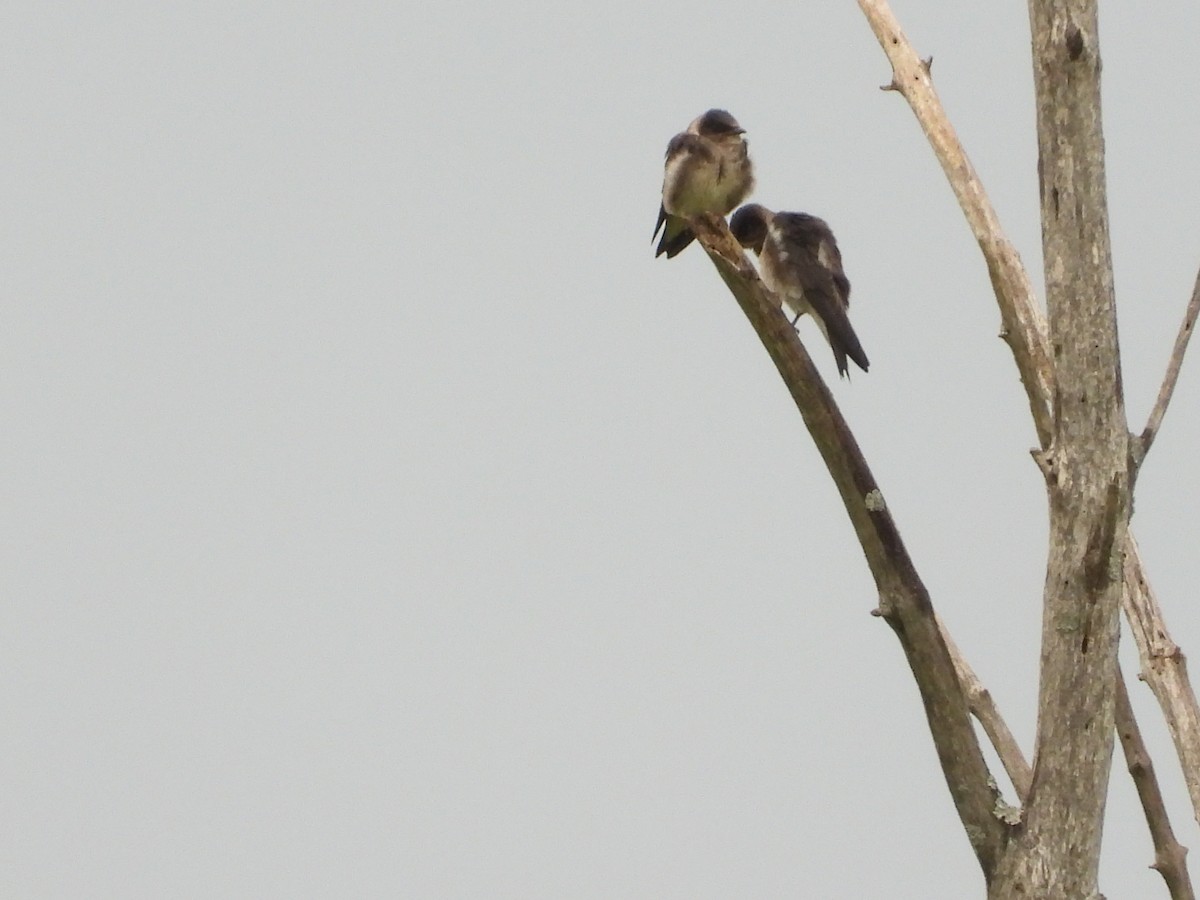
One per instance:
(1170, 857)
(1056, 856)
(903, 599)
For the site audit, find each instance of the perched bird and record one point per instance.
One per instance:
(802, 265)
(707, 170)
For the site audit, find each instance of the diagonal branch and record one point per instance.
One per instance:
(1024, 325)
(983, 708)
(903, 600)
(1164, 669)
(1170, 857)
(1168, 386)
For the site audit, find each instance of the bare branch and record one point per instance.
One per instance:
(903, 600)
(1168, 386)
(1170, 857)
(1164, 669)
(983, 708)
(1024, 327)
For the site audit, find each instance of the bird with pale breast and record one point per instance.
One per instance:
(707, 170)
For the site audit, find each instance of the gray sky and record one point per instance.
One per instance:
(381, 519)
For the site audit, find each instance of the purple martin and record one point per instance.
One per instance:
(708, 170)
(801, 264)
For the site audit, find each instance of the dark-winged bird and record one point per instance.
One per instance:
(708, 170)
(802, 265)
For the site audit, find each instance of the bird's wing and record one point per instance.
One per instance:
(815, 264)
(676, 233)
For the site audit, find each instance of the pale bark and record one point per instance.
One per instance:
(1170, 857)
(1057, 854)
(1082, 433)
(1169, 380)
(1164, 669)
(1163, 664)
(983, 708)
(1024, 327)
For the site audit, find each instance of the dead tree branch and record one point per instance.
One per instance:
(1170, 857)
(903, 600)
(1167, 673)
(1150, 432)
(1024, 328)
(1164, 669)
(983, 708)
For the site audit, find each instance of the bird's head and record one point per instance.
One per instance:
(716, 124)
(749, 225)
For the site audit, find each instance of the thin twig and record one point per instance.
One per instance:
(1170, 857)
(983, 708)
(1164, 669)
(1168, 386)
(1024, 326)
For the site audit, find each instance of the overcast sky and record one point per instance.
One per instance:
(381, 519)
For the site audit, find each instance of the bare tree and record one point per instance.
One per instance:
(1069, 362)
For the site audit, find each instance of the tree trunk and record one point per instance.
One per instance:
(1055, 852)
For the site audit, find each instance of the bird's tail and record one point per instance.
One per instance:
(675, 234)
(836, 327)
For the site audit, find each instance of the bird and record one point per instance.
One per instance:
(707, 170)
(800, 262)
